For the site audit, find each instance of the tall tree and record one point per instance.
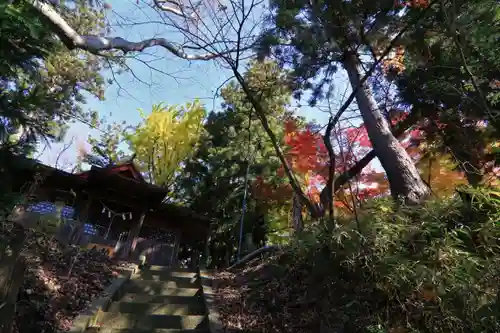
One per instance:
(332, 33)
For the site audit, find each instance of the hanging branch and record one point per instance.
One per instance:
(63, 150)
(397, 131)
(353, 200)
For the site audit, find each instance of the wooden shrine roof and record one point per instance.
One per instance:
(127, 169)
(127, 190)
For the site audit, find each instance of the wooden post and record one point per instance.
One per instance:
(195, 257)
(133, 235)
(82, 212)
(206, 249)
(175, 251)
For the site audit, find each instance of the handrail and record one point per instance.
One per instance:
(255, 254)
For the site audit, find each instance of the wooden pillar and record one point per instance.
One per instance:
(206, 250)
(175, 252)
(195, 258)
(82, 213)
(133, 235)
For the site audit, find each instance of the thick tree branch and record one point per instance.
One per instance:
(96, 44)
(255, 254)
(399, 130)
(326, 196)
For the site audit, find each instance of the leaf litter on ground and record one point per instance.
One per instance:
(59, 282)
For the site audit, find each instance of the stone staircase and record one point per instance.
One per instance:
(156, 300)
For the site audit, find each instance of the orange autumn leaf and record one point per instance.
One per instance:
(411, 3)
(441, 176)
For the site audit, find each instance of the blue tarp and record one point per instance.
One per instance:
(46, 207)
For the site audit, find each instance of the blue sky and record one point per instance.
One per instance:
(172, 81)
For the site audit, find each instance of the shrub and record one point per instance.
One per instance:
(434, 268)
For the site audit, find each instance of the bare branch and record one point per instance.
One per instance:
(65, 148)
(177, 8)
(42, 151)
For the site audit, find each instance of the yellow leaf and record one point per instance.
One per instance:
(166, 137)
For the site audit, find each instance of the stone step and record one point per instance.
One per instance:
(181, 281)
(157, 287)
(196, 307)
(147, 322)
(153, 330)
(145, 274)
(177, 296)
(155, 268)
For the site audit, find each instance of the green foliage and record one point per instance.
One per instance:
(433, 269)
(279, 230)
(313, 43)
(106, 149)
(451, 71)
(43, 83)
(429, 269)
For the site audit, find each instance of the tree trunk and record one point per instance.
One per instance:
(298, 223)
(12, 268)
(404, 178)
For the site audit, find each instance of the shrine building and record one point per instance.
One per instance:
(113, 208)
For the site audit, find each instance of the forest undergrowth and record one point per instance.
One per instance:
(59, 281)
(433, 268)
